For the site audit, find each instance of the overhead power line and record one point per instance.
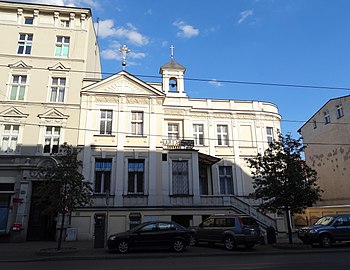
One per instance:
(322, 87)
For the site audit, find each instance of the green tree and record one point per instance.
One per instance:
(63, 187)
(282, 179)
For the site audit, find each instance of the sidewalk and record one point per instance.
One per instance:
(39, 251)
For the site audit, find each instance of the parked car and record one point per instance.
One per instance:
(151, 235)
(327, 230)
(231, 230)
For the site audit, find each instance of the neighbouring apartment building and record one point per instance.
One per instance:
(153, 153)
(326, 136)
(49, 51)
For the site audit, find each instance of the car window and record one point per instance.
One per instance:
(220, 222)
(166, 227)
(324, 221)
(208, 222)
(230, 222)
(248, 221)
(148, 228)
(342, 221)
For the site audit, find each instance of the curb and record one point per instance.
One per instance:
(115, 256)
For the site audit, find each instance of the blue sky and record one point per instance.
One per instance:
(299, 42)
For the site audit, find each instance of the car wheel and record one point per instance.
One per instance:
(249, 246)
(178, 245)
(193, 240)
(123, 246)
(325, 241)
(229, 243)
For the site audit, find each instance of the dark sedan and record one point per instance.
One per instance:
(151, 235)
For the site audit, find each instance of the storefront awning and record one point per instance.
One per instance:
(207, 159)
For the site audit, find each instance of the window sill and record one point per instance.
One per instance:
(136, 136)
(133, 195)
(104, 135)
(181, 195)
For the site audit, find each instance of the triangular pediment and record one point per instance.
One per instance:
(53, 114)
(123, 83)
(59, 67)
(20, 64)
(13, 112)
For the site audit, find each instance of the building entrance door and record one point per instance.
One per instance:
(41, 225)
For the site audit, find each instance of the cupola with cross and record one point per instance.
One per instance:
(173, 77)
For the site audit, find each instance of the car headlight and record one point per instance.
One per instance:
(112, 238)
(312, 231)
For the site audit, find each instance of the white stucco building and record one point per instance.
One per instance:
(153, 153)
(48, 52)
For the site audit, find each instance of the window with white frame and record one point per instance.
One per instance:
(58, 88)
(180, 179)
(173, 131)
(103, 169)
(198, 134)
(136, 171)
(269, 135)
(327, 117)
(52, 139)
(9, 138)
(222, 134)
(137, 123)
(18, 87)
(340, 111)
(226, 180)
(25, 43)
(62, 46)
(106, 122)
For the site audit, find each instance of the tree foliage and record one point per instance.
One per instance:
(282, 179)
(63, 188)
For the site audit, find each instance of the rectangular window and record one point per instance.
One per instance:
(137, 123)
(136, 170)
(58, 87)
(180, 179)
(315, 124)
(28, 20)
(62, 46)
(9, 138)
(269, 135)
(222, 134)
(198, 134)
(65, 23)
(18, 87)
(173, 131)
(52, 139)
(340, 112)
(103, 169)
(226, 180)
(327, 118)
(106, 122)
(25, 43)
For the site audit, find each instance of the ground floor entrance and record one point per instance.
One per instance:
(41, 225)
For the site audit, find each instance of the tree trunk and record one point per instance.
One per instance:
(289, 226)
(61, 231)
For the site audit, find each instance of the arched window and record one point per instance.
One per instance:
(173, 84)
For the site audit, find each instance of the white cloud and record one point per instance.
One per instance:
(106, 29)
(186, 30)
(215, 83)
(244, 15)
(113, 53)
